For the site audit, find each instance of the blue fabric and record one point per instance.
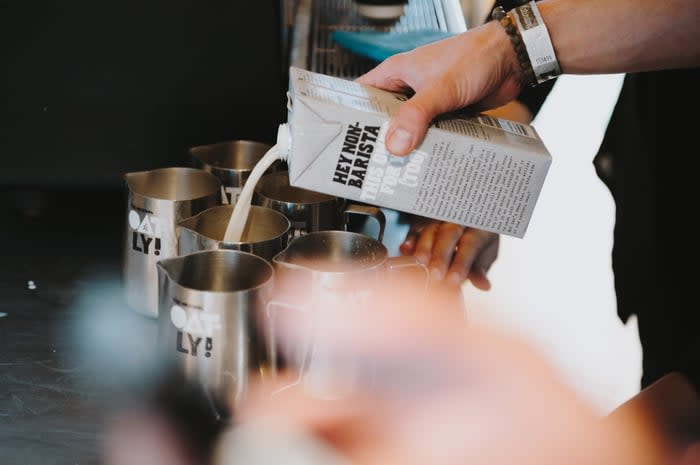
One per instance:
(378, 46)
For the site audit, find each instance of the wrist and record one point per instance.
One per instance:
(531, 42)
(535, 36)
(514, 50)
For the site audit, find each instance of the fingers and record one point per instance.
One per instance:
(423, 249)
(442, 78)
(436, 247)
(409, 124)
(383, 77)
(452, 252)
(476, 252)
(408, 246)
(408, 127)
(479, 279)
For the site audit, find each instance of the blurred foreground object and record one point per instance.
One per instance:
(429, 387)
(670, 408)
(328, 278)
(174, 424)
(153, 412)
(432, 388)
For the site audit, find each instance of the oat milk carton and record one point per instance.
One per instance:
(475, 171)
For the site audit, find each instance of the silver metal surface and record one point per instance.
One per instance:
(231, 162)
(333, 251)
(157, 200)
(209, 319)
(267, 232)
(333, 258)
(316, 20)
(310, 211)
(319, 278)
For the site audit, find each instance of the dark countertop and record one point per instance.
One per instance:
(55, 246)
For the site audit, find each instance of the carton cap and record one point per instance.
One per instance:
(284, 141)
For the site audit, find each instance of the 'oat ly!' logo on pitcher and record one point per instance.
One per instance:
(193, 329)
(144, 231)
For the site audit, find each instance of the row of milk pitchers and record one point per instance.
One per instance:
(216, 302)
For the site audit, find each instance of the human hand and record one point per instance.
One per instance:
(452, 252)
(439, 391)
(477, 68)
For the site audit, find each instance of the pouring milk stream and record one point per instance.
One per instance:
(239, 217)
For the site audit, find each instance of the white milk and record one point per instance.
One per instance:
(239, 218)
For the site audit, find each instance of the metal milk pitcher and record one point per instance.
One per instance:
(209, 320)
(267, 232)
(319, 276)
(231, 162)
(311, 211)
(157, 200)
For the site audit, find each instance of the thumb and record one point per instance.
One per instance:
(409, 124)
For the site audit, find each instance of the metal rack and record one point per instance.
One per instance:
(315, 21)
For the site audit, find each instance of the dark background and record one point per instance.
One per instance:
(92, 89)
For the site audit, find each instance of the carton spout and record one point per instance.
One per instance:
(284, 141)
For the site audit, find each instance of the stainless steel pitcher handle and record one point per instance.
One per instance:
(366, 210)
(409, 263)
(271, 308)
